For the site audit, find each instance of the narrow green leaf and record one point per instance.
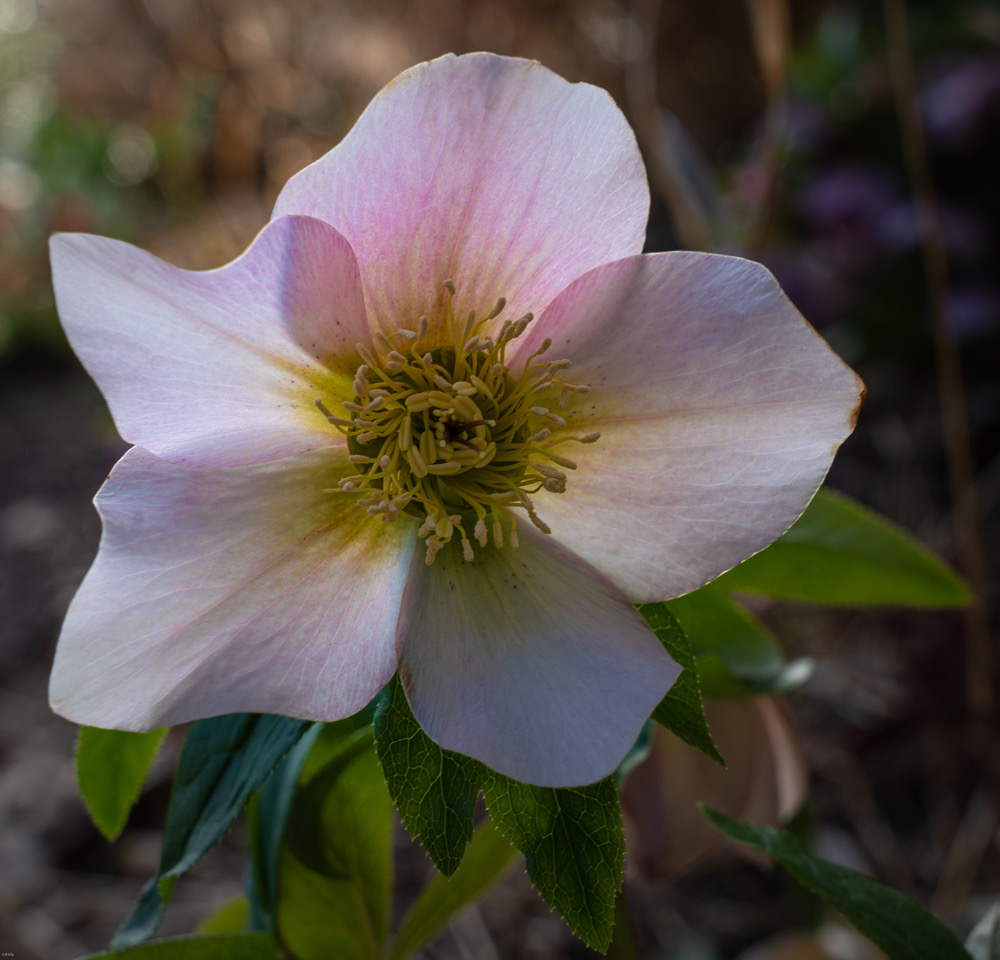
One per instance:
(487, 858)
(111, 767)
(839, 552)
(220, 946)
(681, 710)
(343, 911)
(223, 761)
(574, 847)
(897, 924)
(267, 817)
(232, 917)
(434, 790)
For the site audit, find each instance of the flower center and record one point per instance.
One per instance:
(450, 434)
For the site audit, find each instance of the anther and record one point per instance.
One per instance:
(450, 286)
(361, 381)
(365, 355)
(405, 434)
(521, 325)
(470, 323)
(336, 421)
(562, 461)
(481, 387)
(498, 309)
(417, 462)
(546, 471)
(425, 527)
(416, 402)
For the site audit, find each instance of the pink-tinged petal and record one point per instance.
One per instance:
(765, 782)
(488, 171)
(219, 367)
(719, 411)
(238, 589)
(528, 660)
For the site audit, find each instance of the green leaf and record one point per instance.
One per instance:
(487, 858)
(716, 624)
(839, 552)
(267, 817)
(897, 924)
(308, 813)
(223, 761)
(681, 710)
(232, 917)
(434, 790)
(111, 767)
(572, 838)
(341, 911)
(573, 844)
(220, 946)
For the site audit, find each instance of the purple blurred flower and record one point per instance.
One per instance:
(963, 100)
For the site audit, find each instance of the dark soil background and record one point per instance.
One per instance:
(173, 124)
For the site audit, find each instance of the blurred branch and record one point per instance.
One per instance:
(955, 422)
(658, 142)
(770, 21)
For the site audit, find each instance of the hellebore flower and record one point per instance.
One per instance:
(351, 443)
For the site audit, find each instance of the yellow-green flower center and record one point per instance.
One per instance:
(449, 434)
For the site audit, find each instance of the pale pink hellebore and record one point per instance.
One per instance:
(237, 571)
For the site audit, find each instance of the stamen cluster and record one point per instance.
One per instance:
(448, 433)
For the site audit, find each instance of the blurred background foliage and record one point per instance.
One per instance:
(173, 124)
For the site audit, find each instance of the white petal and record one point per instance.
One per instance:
(238, 589)
(491, 172)
(719, 411)
(219, 367)
(528, 660)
